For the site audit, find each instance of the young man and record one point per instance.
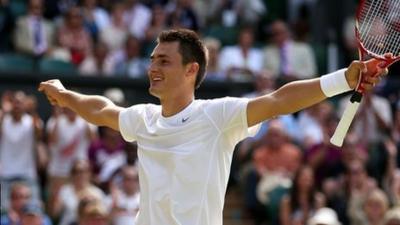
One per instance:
(186, 145)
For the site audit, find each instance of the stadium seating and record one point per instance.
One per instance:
(227, 35)
(12, 62)
(58, 67)
(18, 7)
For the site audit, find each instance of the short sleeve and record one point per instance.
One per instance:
(129, 120)
(230, 116)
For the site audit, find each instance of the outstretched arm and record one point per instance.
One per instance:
(95, 109)
(298, 95)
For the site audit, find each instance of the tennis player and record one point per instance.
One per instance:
(185, 145)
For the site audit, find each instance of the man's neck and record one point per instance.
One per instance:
(173, 106)
(16, 117)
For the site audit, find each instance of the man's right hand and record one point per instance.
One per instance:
(53, 90)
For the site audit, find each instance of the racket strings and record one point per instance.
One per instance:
(379, 26)
(378, 36)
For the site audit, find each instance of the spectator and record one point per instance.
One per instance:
(34, 35)
(275, 162)
(31, 108)
(352, 150)
(350, 42)
(111, 172)
(20, 195)
(69, 137)
(79, 187)
(138, 18)
(373, 120)
(128, 61)
(73, 36)
(250, 11)
(19, 133)
(311, 123)
(339, 189)
(371, 210)
(116, 95)
(92, 212)
(276, 154)
(182, 15)
(325, 158)
(392, 217)
(242, 61)
(98, 64)
(116, 32)
(324, 216)
(158, 23)
(287, 59)
(6, 101)
(105, 151)
(359, 185)
(391, 179)
(205, 9)
(264, 83)
(223, 13)
(124, 201)
(213, 72)
(396, 125)
(32, 214)
(95, 18)
(303, 200)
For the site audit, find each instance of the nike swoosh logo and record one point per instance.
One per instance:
(185, 119)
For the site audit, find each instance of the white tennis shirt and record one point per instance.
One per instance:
(185, 159)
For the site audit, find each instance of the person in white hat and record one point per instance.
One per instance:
(324, 216)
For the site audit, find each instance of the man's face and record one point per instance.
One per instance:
(36, 7)
(166, 72)
(20, 197)
(130, 181)
(31, 219)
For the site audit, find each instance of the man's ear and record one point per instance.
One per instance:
(193, 69)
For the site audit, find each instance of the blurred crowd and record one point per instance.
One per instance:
(65, 171)
(115, 38)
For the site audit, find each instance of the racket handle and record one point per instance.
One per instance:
(345, 121)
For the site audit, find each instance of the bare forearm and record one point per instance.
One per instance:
(288, 99)
(298, 95)
(95, 109)
(89, 107)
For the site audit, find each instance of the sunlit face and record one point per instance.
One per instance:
(374, 209)
(166, 73)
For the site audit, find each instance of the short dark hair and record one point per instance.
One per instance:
(190, 47)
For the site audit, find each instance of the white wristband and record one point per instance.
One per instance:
(334, 83)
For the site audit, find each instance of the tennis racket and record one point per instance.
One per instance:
(378, 33)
